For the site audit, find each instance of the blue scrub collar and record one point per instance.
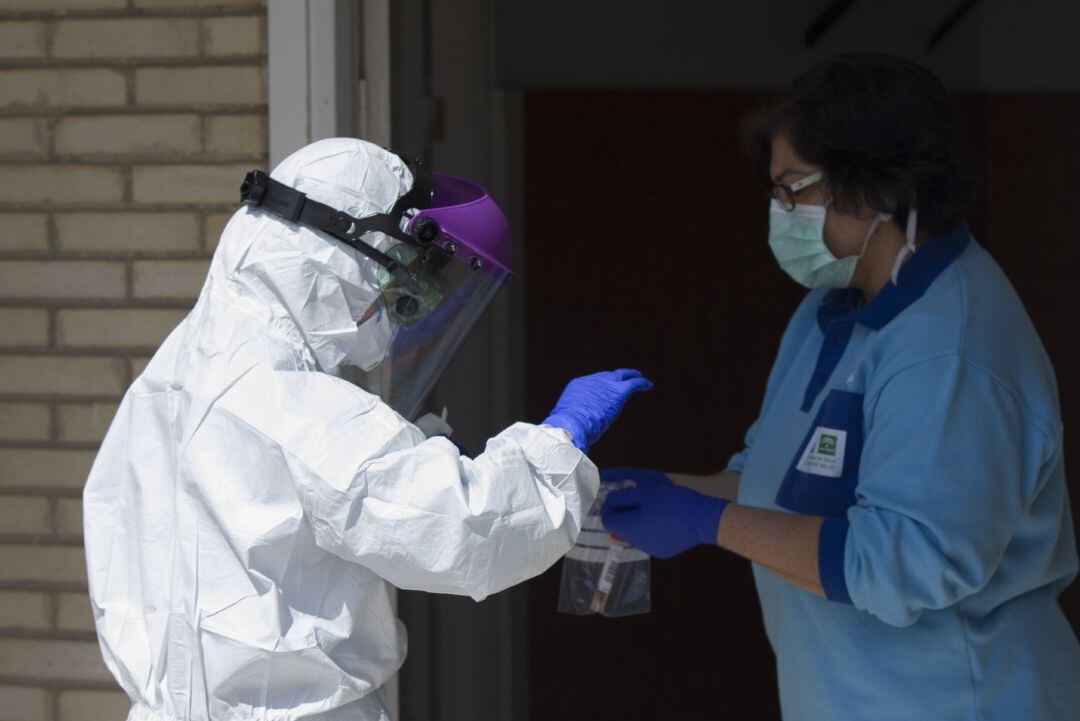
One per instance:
(915, 277)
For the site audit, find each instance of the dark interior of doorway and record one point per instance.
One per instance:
(646, 248)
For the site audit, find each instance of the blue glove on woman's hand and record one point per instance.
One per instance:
(663, 520)
(589, 405)
(642, 477)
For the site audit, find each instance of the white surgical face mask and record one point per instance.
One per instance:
(797, 239)
(372, 342)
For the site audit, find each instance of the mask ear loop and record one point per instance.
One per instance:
(909, 247)
(874, 224)
(878, 220)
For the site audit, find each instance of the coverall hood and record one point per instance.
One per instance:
(306, 278)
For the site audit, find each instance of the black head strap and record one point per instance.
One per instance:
(421, 192)
(261, 191)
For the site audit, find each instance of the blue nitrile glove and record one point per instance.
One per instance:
(642, 477)
(663, 520)
(589, 404)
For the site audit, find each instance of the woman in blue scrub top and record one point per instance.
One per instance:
(902, 492)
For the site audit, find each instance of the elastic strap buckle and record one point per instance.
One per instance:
(253, 189)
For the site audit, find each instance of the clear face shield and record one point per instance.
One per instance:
(451, 259)
(422, 344)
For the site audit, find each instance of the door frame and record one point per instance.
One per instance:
(376, 69)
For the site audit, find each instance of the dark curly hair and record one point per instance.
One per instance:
(883, 130)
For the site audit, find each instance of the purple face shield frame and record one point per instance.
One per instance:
(473, 228)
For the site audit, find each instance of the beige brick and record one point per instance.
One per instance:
(138, 365)
(169, 278)
(125, 327)
(185, 4)
(94, 706)
(127, 134)
(214, 227)
(23, 609)
(59, 183)
(74, 613)
(91, 87)
(236, 134)
(23, 327)
(24, 422)
(69, 519)
(44, 468)
(28, 563)
(19, 703)
(188, 183)
(84, 421)
(52, 660)
(22, 40)
(243, 35)
(24, 514)
(23, 231)
(24, 137)
(127, 231)
(63, 279)
(43, 5)
(126, 38)
(64, 375)
(232, 85)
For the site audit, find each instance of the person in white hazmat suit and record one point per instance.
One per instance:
(249, 505)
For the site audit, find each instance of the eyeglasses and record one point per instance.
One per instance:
(785, 194)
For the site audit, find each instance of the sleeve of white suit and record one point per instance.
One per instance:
(426, 518)
(414, 511)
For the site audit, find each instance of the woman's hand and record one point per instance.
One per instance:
(663, 520)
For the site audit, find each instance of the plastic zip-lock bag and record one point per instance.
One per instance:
(602, 574)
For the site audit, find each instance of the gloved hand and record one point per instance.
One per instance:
(663, 520)
(642, 477)
(589, 404)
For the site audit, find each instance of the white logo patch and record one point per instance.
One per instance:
(824, 454)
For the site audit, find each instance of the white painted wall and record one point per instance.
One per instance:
(312, 71)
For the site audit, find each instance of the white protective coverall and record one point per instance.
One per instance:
(248, 508)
